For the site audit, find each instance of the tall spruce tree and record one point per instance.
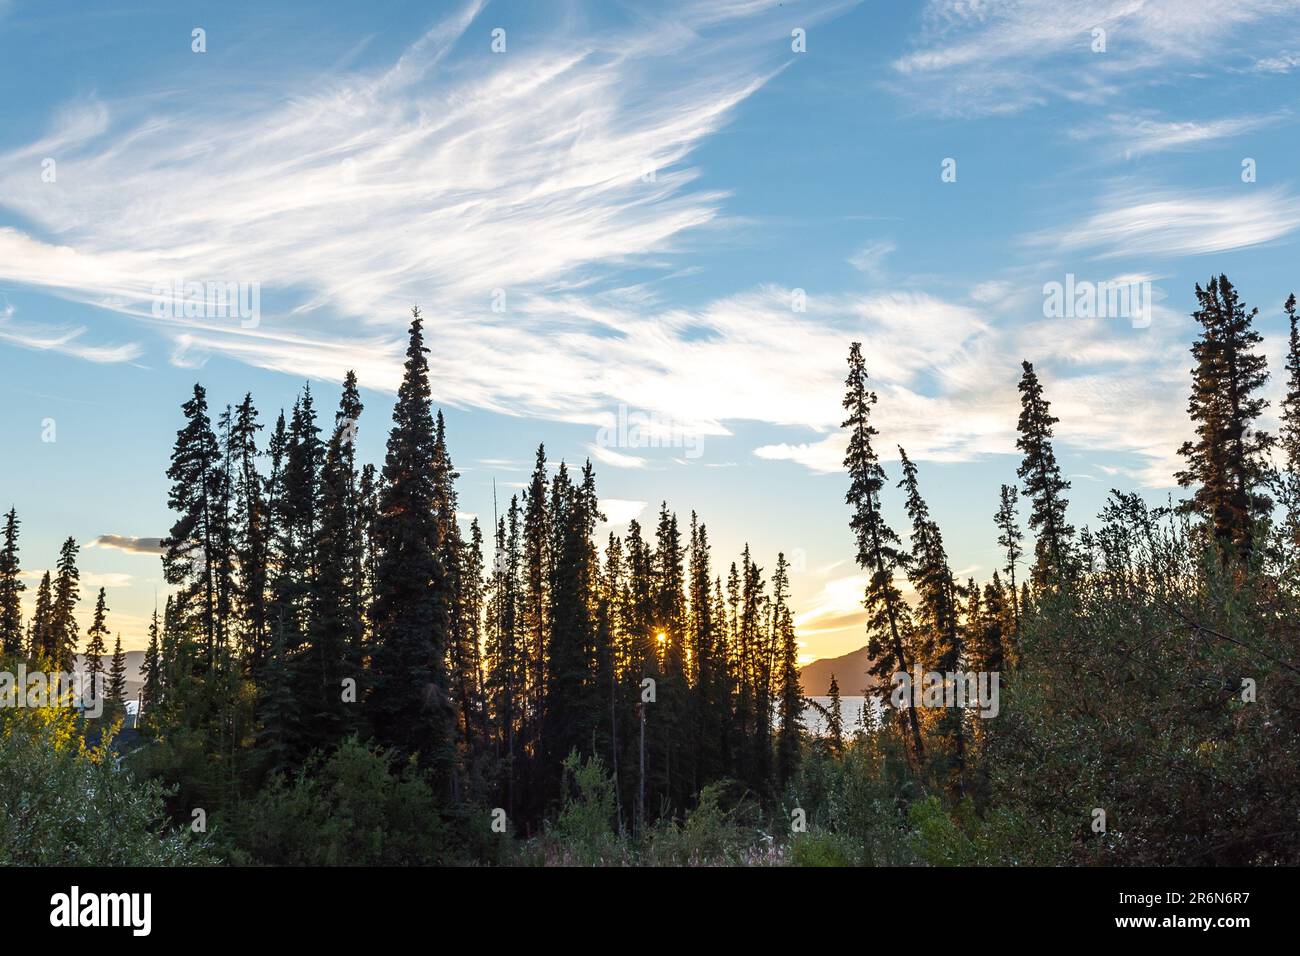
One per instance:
(571, 699)
(332, 652)
(878, 546)
(506, 673)
(117, 675)
(249, 532)
(409, 705)
(931, 577)
(469, 682)
(190, 557)
(61, 644)
(150, 692)
(1009, 540)
(1044, 485)
(1290, 433)
(297, 505)
(1227, 463)
(671, 738)
(835, 718)
(535, 613)
(97, 647)
(939, 638)
(41, 644)
(11, 589)
(707, 659)
(790, 692)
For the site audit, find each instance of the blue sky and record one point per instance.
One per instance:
(616, 210)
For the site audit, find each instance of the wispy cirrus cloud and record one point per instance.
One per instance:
(1116, 390)
(1168, 223)
(465, 185)
(870, 258)
(990, 56)
(1143, 135)
(1282, 63)
(64, 339)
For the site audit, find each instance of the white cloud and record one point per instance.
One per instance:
(66, 340)
(119, 542)
(619, 511)
(1172, 223)
(1283, 63)
(607, 456)
(871, 257)
(1143, 135)
(1116, 389)
(434, 181)
(999, 56)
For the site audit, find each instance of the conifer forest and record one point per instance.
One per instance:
(345, 672)
(492, 461)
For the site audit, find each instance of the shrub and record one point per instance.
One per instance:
(351, 808)
(63, 805)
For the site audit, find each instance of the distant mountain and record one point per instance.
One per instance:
(134, 670)
(850, 673)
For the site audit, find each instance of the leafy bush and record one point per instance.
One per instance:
(820, 847)
(583, 833)
(349, 809)
(718, 832)
(63, 805)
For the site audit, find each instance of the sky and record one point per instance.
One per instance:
(678, 213)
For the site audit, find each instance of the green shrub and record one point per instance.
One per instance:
(62, 805)
(720, 831)
(820, 847)
(350, 809)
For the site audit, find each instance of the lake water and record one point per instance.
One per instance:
(851, 709)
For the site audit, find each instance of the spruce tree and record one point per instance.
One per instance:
(790, 693)
(931, 577)
(671, 741)
(1290, 432)
(1009, 539)
(571, 698)
(1227, 463)
(297, 505)
(62, 640)
(332, 652)
(1044, 485)
(97, 649)
(506, 659)
(938, 644)
(249, 532)
(835, 719)
(191, 556)
(878, 547)
(41, 644)
(707, 658)
(117, 675)
(11, 589)
(409, 705)
(150, 692)
(611, 658)
(534, 608)
(470, 611)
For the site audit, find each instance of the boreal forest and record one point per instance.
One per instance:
(344, 671)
